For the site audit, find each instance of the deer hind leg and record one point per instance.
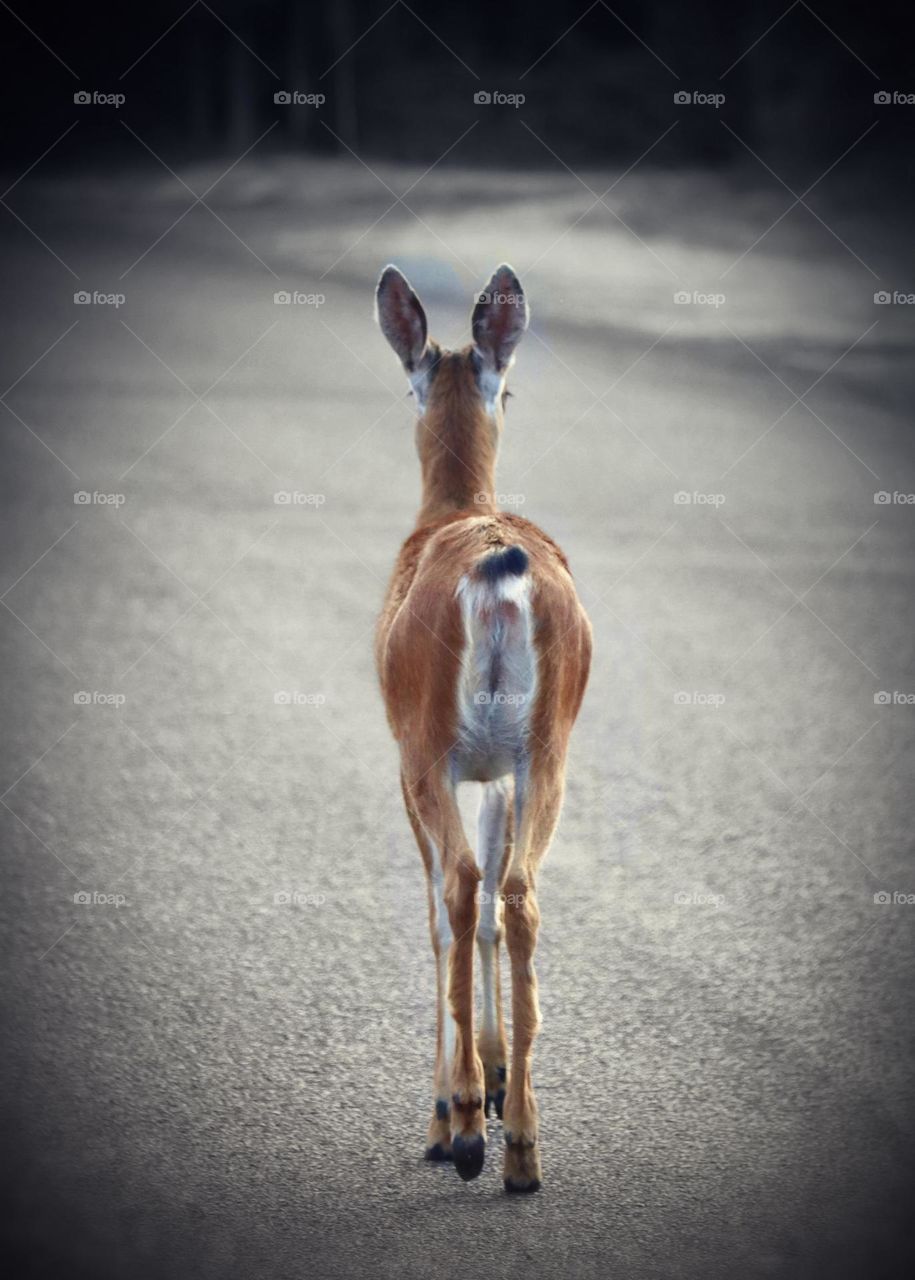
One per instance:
(539, 801)
(438, 1141)
(455, 882)
(494, 851)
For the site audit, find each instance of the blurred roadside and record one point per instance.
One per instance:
(707, 256)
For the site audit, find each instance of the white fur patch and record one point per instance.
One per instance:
(491, 829)
(419, 385)
(491, 386)
(498, 678)
(445, 938)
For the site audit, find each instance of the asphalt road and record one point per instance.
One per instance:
(220, 1065)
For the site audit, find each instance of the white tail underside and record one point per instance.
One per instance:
(498, 678)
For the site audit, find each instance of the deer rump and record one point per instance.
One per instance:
(482, 650)
(497, 683)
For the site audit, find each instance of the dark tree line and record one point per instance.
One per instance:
(404, 88)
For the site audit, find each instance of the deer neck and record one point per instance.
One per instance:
(458, 463)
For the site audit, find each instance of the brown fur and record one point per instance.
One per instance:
(418, 650)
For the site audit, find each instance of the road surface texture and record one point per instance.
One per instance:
(219, 1007)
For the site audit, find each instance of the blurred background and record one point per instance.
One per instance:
(219, 1012)
(595, 77)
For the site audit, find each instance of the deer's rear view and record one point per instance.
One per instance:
(483, 652)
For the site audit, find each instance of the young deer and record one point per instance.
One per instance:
(483, 651)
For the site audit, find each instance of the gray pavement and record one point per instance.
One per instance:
(220, 1065)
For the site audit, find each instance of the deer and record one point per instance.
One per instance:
(483, 651)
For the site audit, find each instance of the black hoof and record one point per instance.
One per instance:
(468, 1154)
(521, 1188)
(438, 1153)
(496, 1100)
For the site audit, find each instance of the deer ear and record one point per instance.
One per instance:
(401, 317)
(499, 319)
